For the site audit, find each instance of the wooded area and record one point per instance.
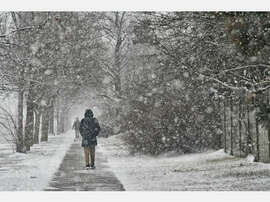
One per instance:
(171, 81)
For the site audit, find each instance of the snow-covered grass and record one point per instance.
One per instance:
(34, 170)
(214, 170)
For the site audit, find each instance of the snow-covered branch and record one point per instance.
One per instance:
(246, 67)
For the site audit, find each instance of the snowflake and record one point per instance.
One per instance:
(48, 72)
(153, 76)
(192, 58)
(253, 59)
(201, 77)
(189, 30)
(157, 104)
(106, 80)
(154, 90)
(61, 36)
(34, 47)
(178, 84)
(209, 110)
(163, 139)
(186, 74)
(43, 103)
(36, 62)
(141, 98)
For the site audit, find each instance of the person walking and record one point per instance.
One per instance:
(89, 130)
(76, 126)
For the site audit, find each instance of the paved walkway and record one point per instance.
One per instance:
(72, 176)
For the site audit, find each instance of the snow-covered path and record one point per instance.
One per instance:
(34, 170)
(72, 175)
(205, 171)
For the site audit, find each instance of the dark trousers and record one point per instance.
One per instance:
(90, 151)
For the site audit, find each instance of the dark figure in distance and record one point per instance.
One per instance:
(76, 126)
(89, 129)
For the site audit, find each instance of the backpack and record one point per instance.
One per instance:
(89, 128)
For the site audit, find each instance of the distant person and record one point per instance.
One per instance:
(76, 126)
(89, 129)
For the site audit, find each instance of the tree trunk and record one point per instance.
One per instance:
(257, 133)
(62, 122)
(268, 132)
(19, 132)
(29, 124)
(249, 138)
(231, 121)
(51, 115)
(225, 127)
(240, 126)
(117, 54)
(58, 114)
(220, 121)
(45, 126)
(20, 142)
(37, 127)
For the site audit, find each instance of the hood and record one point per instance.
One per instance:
(88, 113)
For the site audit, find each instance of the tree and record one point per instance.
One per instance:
(171, 108)
(54, 52)
(115, 25)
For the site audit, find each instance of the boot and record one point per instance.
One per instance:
(92, 167)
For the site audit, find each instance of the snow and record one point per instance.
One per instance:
(157, 104)
(56, 82)
(34, 170)
(250, 158)
(154, 90)
(209, 110)
(163, 139)
(153, 76)
(253, 59)
(34, 48)
(61, 35)
(106, 80)
(192, 58)
(36, 62)
(213, 90)
(213, 170)
(68, 30)
(178, 84)
(199, 117)
(48, 72)
(141, 98)
(186, 74)
(189, 29)
(43, 103)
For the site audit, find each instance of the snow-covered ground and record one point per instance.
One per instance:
(204, 171)
(34, 170)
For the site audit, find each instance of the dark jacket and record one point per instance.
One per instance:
(89, 130)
